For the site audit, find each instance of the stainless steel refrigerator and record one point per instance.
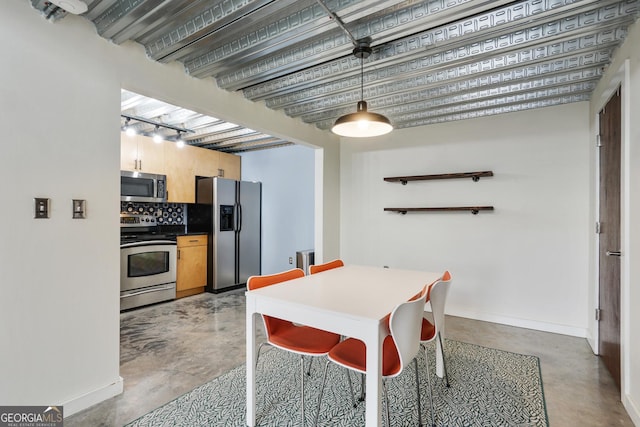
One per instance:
(235, 212)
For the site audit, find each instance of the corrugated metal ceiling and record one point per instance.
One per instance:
(433, 61)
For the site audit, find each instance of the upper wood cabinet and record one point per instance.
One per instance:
(140, 153)
(128, 153)
(230, 166)
(181, 165)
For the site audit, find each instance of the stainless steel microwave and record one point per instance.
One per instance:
(142, 187)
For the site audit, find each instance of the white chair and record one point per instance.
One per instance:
(437, 297)
(399, 348)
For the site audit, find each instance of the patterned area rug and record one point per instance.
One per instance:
(488, 388)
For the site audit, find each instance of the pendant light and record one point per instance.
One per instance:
(362, 123)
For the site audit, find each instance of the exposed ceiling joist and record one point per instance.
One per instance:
(433, 61)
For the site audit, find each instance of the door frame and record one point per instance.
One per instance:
(620, 79)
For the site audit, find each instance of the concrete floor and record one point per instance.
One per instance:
(170, 348)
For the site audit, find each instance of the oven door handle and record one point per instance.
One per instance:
(146, 291)
(148, 243)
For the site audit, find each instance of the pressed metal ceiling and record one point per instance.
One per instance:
(432, 62)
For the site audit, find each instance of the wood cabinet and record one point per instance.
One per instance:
(229, 166)
(191, 273)
(181, 165)
(128, 152)
(140, 153)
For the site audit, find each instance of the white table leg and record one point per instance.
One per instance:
(251, 366)
(374, 378)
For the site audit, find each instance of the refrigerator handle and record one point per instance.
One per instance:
(239, 217)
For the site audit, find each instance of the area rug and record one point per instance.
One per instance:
(488, 387)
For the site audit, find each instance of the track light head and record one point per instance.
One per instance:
(179, 140)
(128, 128)
(157, 138)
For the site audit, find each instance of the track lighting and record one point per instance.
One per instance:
(362, 123)
(179, 140)
(155, 134)
(157, 138)
(128, 128)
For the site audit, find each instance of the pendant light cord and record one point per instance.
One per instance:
(361, 79)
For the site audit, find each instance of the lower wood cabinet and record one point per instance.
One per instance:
(191, 275)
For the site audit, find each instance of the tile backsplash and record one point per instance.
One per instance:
(165, 213)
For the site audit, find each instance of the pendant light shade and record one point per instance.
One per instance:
(362, 123)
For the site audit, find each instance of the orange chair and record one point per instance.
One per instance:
(398, 349)
(285, 335)
(313, 269)
(437, 297)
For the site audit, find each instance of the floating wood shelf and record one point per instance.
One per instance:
(475, 176)
(474, 209)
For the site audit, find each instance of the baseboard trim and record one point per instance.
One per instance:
(87, 400)
(521, 323)
(632, 409)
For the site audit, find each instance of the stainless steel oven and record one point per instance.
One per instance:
(147, 263)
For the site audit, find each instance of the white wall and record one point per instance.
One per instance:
(625, 72)
(524, 264)
(287, 176)
(59, 110)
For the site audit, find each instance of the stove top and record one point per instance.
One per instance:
(131, 221)
(133, 238)
(143, 228)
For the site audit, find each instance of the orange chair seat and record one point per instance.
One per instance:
(428, 330)
(353, 354)
(304, 339)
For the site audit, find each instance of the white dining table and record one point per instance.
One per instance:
(351, 300)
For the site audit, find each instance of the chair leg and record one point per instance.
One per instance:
(444, 361)
(302, 388)
(324, 378)
(363, 389)
(353, 399)
(426, 355)
(415, 363)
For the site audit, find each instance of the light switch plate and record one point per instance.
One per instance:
(79, 209)
(41, 208)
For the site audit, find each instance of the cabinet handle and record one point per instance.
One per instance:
(140, 164)
(193, 241)
(178, 253)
